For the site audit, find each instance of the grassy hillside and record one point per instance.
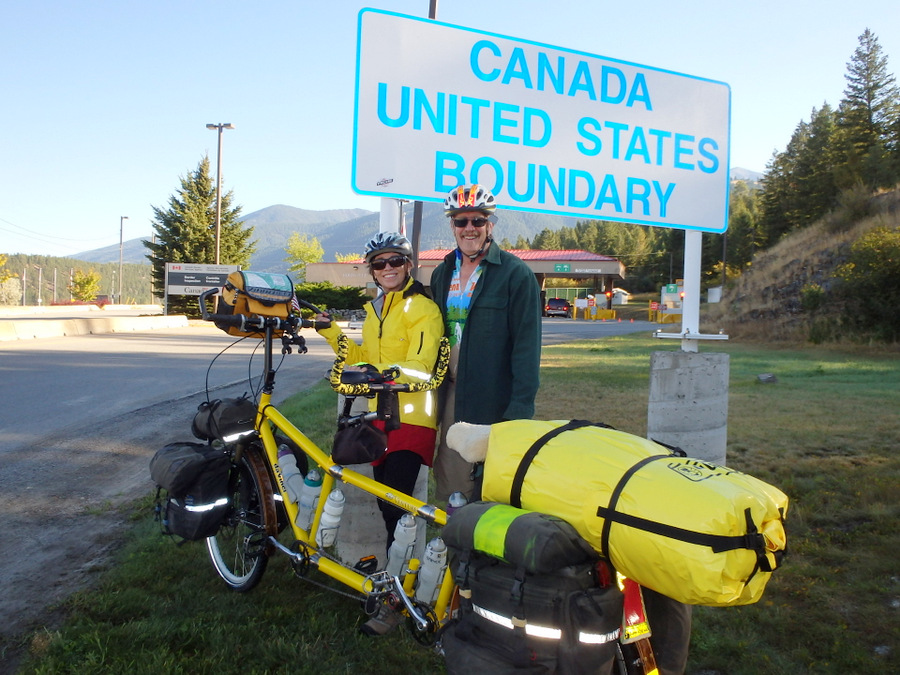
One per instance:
(765, 302)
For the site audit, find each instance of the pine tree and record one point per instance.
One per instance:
(868, 116)
(744, 237)
(816, 165)
(546, 240)
(782, 204)
(186, 232)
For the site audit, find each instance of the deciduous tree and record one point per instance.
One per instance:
(85, 286)
(301, 250)
(871, 282)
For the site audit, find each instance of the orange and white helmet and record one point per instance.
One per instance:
(464, 199)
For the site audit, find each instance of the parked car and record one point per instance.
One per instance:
(558, 307)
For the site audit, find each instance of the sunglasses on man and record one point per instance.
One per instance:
(476, 222)
(395, 261)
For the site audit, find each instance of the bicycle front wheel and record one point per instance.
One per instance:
(240, 550)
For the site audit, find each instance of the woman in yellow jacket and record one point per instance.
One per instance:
(403, 328)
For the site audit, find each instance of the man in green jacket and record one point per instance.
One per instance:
(491, 305)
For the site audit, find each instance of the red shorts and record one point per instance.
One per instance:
(412, 437)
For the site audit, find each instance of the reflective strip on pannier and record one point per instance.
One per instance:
(546, 631)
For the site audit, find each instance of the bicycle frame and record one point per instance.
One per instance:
(269, 419)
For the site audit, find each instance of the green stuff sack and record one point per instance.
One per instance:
(696, 532)
(537, 542)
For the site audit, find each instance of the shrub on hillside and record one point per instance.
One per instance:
(871, 282)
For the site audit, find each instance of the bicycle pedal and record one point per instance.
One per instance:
(367, 564)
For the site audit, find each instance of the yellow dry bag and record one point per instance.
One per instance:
(697, 532)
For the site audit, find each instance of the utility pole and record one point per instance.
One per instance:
(122, 219)
(219, 127)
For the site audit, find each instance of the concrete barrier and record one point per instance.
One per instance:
(29, 328)
(76, 310)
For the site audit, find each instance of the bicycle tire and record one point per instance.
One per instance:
(628, 660)
(240, 550)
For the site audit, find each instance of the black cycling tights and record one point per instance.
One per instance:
(399, 470)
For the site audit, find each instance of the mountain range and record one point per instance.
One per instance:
(344, 231)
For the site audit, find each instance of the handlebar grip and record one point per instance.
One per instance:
(310, 306)
(204, 312)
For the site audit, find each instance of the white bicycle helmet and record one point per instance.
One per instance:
(388, 242)
(464, 199)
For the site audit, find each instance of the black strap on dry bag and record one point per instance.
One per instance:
(515, 490)
(753, 540)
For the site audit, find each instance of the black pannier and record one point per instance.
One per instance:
(220, 418)
(539, 600)
(195, 477)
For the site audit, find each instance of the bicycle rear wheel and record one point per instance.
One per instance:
(240, 550)
(629, 660)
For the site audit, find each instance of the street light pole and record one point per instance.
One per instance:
(219, 127)
(122, 219)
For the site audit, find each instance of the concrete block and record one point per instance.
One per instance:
(688, 403)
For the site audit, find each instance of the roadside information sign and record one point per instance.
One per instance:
(546, 129)
(194, 278)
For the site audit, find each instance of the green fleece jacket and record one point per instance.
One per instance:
(500, 351)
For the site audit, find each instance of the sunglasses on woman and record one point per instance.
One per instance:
(476, 222)
(395, 261)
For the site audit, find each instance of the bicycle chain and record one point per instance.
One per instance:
(306, 565)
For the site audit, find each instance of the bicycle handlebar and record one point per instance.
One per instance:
(253, 324)
(334, 376)
(250, 324)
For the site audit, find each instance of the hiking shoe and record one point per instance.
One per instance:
(382, 622)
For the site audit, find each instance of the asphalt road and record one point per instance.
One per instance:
(557, 330)
(52, 384)
(79, 421)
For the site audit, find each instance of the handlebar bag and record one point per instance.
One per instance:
(358, 444)
(255, 294)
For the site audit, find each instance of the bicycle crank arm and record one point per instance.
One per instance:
(421, 622)
(297, 557)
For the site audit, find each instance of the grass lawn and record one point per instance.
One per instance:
(826, 433)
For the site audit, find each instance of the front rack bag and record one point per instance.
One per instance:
(255, 294)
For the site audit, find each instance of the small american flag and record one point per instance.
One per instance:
(295, 305)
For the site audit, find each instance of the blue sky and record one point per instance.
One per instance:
(105, 102)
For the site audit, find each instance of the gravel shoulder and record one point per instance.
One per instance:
(64, 498)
